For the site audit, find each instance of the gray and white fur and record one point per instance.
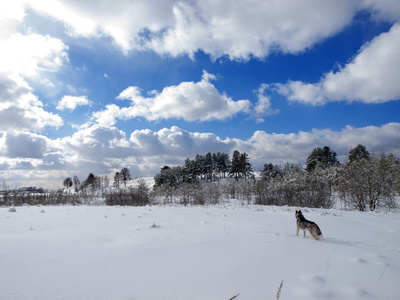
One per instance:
(304, 224)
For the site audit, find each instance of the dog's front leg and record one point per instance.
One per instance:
(297, 232)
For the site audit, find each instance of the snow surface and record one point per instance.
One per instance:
(175, 252)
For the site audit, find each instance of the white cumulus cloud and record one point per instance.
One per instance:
(371, 77)
(190, 101)
(96, 142)
(24, 145)
(237, 29)
(24, 56)
(102, 149)
(28, 54)
(71, 102)
(234, 28)
(176, 142)
(20, 109)
(151, 150)
(265, 147)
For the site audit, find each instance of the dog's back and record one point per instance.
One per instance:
(304, 224)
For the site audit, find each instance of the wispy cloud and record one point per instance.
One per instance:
(263, 105)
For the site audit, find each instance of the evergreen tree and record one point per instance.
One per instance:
(223, 163)
(106, 181)
(244, 165)
(165, 178)
(270, 171)
(68, 182)
(208, 166)
(90, 180)
(235, 168)
(199, 160)
(77, 183)
(189, 171)
(358, 152)
(323, 157)
(125, 175)
(116, 180)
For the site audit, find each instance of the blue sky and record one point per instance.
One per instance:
(95, 86)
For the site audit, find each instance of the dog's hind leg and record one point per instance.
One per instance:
(314, 235)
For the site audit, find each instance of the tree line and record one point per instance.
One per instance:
(96, 182)
(369, 181)
(209, 167)
(364, 181)
(97, 188)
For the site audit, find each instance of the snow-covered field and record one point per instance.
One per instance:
(173, 252)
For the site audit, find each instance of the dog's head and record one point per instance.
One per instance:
(298, 214)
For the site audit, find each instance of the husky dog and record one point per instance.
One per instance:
(304, 225)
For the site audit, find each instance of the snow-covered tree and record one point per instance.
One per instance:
(370, 182)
